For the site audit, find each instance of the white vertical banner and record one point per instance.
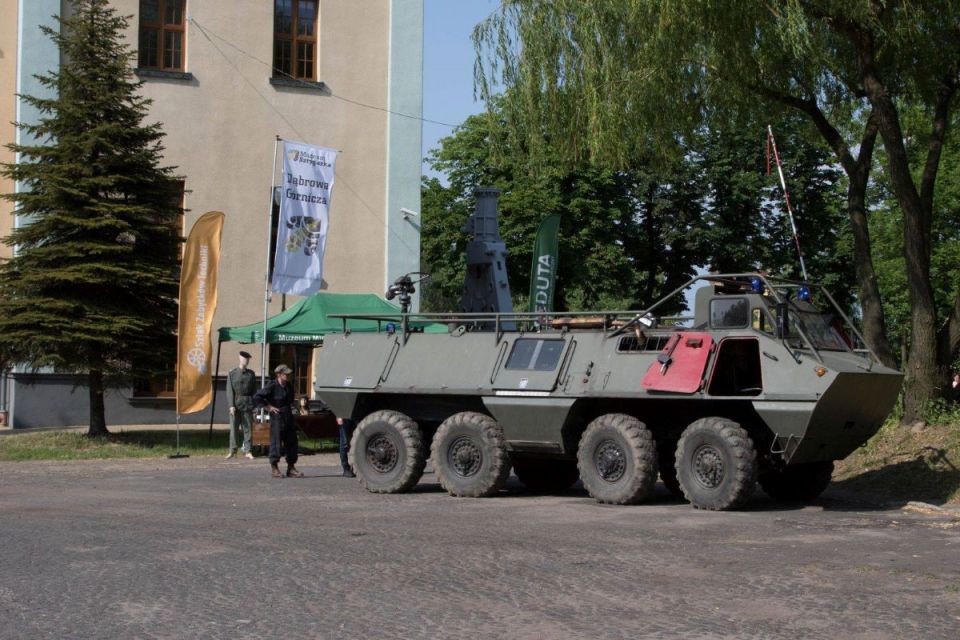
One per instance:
(304, 218)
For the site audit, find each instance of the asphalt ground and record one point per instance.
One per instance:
(208, 548)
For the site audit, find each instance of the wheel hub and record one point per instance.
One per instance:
(465, 457)
(382, 453)
(610, 460)
(708, 467)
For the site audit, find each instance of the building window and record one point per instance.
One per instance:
(162, 34)
(295, 39)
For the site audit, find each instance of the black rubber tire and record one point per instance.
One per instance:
(667, 462)
(716, 464)
(797, 483)
(387, 452)
(469, 455)
(617, 459)
(547, 475)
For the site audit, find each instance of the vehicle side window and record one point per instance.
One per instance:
(633, 344)
(534, 354)
(729, 313)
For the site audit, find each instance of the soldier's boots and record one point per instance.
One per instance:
(275, 470)
(292, 472)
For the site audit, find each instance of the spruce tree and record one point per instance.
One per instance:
(93, 283)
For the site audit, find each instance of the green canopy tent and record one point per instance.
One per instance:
(308, 321)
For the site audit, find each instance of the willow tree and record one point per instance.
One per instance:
(92, 285)
(610, 77)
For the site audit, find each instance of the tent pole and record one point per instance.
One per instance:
(213, 402)
(266, 271)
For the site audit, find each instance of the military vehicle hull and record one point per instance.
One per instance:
(784, 404)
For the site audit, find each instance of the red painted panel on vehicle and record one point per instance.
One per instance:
(683, 373)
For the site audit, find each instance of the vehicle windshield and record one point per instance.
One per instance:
(824, 330)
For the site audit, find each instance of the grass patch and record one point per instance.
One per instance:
(75, 445)
(901, 464)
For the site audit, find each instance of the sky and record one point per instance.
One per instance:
(448, 57)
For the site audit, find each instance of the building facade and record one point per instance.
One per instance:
(227, 79)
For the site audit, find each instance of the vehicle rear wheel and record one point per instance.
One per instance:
(617, 459)
(716, 464)
(667, 461)
(469, 455)
(387, 452)
(545, 474)
(797, 483)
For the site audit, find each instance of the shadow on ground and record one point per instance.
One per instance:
(931, 476)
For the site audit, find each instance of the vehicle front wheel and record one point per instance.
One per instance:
(469, 455)
(797, 483)
(617, 459)
(716, 464)
(387, 452)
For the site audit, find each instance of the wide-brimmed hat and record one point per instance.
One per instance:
(282, 368)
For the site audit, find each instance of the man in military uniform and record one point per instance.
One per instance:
(241, 385)
(277, 398)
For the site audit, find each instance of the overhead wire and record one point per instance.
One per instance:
(208, 32)
(340, 180)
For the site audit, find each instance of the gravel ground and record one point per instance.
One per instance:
(208, 548)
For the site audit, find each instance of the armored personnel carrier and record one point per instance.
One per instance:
(769, 381)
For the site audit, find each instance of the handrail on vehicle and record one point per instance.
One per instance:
(616, 322)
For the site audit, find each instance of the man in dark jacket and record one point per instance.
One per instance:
(277, 397)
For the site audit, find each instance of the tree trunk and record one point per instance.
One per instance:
(874, 324)
(98, 421)
(922, 380)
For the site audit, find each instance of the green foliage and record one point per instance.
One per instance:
(629, 237)
(613, 80)
(616, 249)
(93, 282)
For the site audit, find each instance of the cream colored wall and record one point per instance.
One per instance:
(8, 87)
(220, 134)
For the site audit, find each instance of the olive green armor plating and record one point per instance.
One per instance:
(768, 380)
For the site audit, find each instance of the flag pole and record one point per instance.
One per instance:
(213, 402)
(178, 454)
(266, 271)
(772, 144)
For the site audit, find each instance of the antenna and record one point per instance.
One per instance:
(772, 144)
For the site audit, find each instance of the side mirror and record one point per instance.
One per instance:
(783, 320)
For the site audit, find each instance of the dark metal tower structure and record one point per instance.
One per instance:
(485, 286)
